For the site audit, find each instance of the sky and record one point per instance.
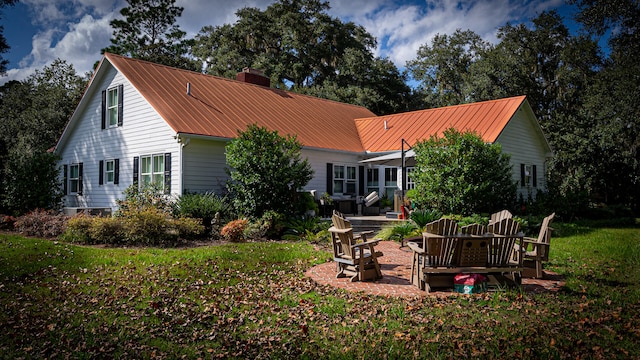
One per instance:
(40, 31)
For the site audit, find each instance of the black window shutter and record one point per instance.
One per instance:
(65, 179)
(522, 179)
(136, 168)
(104, 109)
(330, 178)
(101, 172)
(361, 181)
(167, 173)
(534, 175)
(80, 179)
(120, 98)
(116, 171)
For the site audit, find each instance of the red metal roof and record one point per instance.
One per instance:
(487, 118)
(220, 107)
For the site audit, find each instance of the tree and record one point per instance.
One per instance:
(611, 105)
(445, 67)
(267, 171)
(149, 32)
(301, 48)
(33, 114)
(460, 174)
(4, 47)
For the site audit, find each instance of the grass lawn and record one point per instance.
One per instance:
(253, 301)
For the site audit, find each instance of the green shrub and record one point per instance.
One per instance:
(460, 173)
(148, 227)
(106, 230)
(41, 223)
(77, 230)
(140, 199)
(234, 230)
(304, 228)
(266, 171)
(188, 228)
(202, 206)
(424, 216)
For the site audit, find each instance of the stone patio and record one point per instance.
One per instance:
(396, 272)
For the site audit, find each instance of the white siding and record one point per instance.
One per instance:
(143, 132)
(521, 139)
(204, 164)
(318, 160)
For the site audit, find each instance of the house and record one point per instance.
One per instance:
(140, 122)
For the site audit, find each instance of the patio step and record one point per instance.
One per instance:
(371, 223)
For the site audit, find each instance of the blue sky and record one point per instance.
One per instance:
(39, 31)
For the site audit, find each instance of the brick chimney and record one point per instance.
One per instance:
(253, 76)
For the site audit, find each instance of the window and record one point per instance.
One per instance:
(344, 179)
(410, 183)
(528, 175)
(74, 178)
(112, 107)
(390, 182)
(373, 180)
(110, 171)
(152, 170)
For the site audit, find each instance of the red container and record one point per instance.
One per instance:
(469, 283)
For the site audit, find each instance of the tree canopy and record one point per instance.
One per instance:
(33, 114)
(148, 31)
(301, 48)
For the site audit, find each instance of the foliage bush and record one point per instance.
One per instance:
(188, 228)
(149, 227)
(106, 230)
(266, 172)
(7, 222)
(41, 223)
(424, 216)
(459, 173)
(234, 230)
(140, 199)
(29, 181)
(202, 206)
(78, 230)
(305, 227)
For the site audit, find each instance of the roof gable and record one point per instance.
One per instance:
(487, 118)
(219, 107)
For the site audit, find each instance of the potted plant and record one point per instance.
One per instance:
(385, 203)
(326, 199)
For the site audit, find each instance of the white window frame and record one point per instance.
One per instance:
(390, 186)
(410, 183)
(156, 173)
(373, 180)
(528, 173)
(74, 180)
(109, 174)
(112, 107)
(345, 178)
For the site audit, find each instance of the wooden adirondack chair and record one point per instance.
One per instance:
(473, 229)
(437, 249)
(359, 260)
(537, 250)
(499, 216)
(506, 226)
